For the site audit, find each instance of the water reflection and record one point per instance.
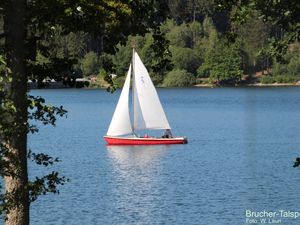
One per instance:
(136, 181)
(251, 130)
(250, 141)
(136, 155)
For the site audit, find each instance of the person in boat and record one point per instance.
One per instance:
(167, 134)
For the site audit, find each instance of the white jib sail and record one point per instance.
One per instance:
(120, 123)
(148, 111)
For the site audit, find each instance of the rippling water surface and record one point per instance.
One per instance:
(242, 143)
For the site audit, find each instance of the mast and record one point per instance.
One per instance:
(132, 89)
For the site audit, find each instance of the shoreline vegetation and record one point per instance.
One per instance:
(205, 83)
(93, 82)
(192, 54)
(251, 85)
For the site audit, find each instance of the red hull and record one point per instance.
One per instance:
(144, 141)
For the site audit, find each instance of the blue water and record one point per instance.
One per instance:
(242, 144)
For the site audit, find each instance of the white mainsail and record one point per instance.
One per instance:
(147, 109)
(120, 123)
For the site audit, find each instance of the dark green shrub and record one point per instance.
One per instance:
(267, 80)
(294, 66)
(178, 78)
(90, 64)
(180, 36)
(119, 81)
(283, 79)
(185, 59)
(287, 79)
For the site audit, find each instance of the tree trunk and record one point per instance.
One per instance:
(16, 185)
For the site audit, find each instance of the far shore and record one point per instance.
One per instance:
(253, 85)
(59, 85)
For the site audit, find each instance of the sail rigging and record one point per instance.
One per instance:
(147, 110)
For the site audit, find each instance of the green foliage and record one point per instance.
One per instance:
(43, 68)
(254, 34)
(184, 35)
(285, 79)
(167, 26)
(190, 43)
(190, 10)
(90, 64)
(122, 59)
(153, 48)
(222, 64)
(185, 59)
(197, 31)
(292, 67)
(38, 112)
(58, 44)
(45, 184)
(203, 71)
(281, 14)
(267, 80)
(106, 63)
(43, 113)
(57, 56)
(180, 36)
(2, 61)
(208, 26)
(178, 78)
(179, 10)
(119, 82)
(145, 49)
(41, 59)
(279, 69)
(196, 48)
(161, 56)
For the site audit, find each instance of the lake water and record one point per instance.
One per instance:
(242, 144)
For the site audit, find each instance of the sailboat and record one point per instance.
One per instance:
(146, 111)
